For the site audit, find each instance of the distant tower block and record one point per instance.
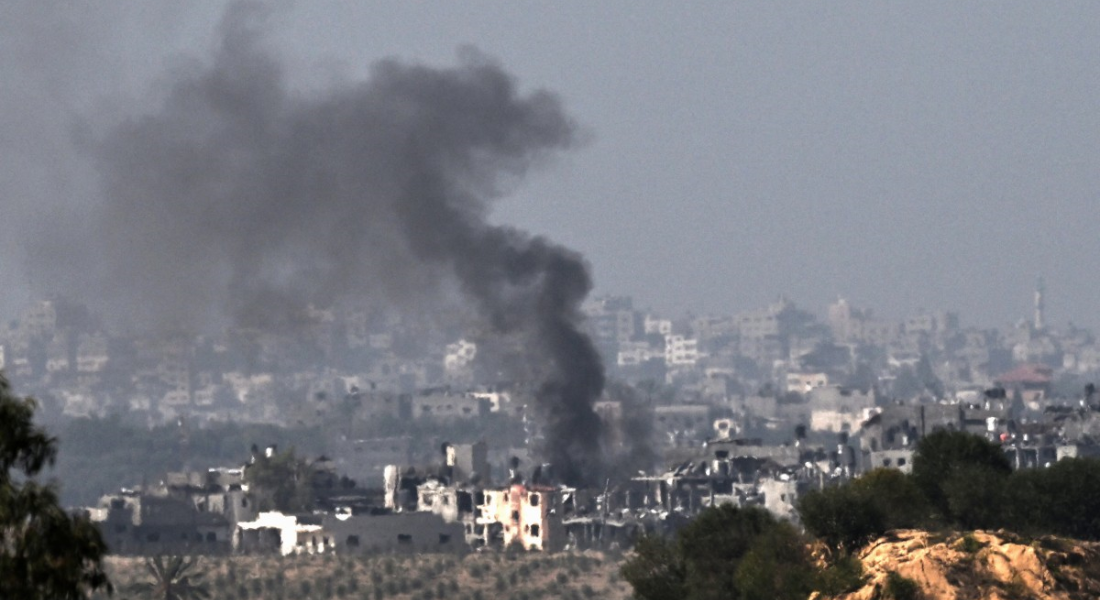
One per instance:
(1039, 289)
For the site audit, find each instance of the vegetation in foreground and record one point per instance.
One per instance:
(45, 553)
(735, 553)
(479, 576)
(960, 482)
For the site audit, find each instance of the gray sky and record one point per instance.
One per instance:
(903, 155)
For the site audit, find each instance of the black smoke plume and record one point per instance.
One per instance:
(239, 197)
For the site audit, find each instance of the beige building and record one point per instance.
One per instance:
(529, 516)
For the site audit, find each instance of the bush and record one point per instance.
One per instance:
(849, 515)
(726, 552)
(896, 496)
(842, 576)
(944, 456)
(1062, 500)
(842, 516)
(900, 588)
(776, 566)
(975, 497)
(970, 544)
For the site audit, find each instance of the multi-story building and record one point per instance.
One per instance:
(681, 351)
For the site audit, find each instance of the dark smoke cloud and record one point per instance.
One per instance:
(61, 61)
(239, 198)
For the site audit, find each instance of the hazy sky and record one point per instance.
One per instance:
(903, 155)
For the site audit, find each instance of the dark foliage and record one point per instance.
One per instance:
(724, 553)
(842, 517)
(899, 587)
(280, 482)
(961, 481)
(173, 578)
(945, 459)
(1063, 499)
(843, 575)
(44, 551)
(657, 571)
(847, 516)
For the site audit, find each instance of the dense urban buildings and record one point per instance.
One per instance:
(430, 435)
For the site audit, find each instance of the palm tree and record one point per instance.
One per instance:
(173, 578)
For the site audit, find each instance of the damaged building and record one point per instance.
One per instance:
(188, 513)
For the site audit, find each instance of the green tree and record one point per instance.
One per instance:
(1073, 490)
(896, 496)
(44, 551)
(281, 482)
(975, 496)
(842, 517)
(848, 516)
(726, 552)
(174, 578)
(1063, 499)
(777, 565)
(656, 571)
(950, 467)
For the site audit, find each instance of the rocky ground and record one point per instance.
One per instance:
(977, 565)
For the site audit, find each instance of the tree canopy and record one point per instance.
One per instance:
(726, 552)
(958, 472)
(959, 480)
(280, 482)
(45, 552)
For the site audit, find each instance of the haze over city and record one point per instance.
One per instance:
(549, 300)
(904, 157)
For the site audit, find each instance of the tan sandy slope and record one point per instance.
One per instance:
(981, 565)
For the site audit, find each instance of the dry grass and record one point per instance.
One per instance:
(481, 576)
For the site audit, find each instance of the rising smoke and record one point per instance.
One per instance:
(239, 197)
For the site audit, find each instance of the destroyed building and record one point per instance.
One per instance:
(189, 513)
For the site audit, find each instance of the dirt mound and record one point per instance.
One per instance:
(977, 565)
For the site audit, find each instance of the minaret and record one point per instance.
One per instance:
(1039, 289)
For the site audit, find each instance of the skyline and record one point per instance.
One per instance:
(820, 312)
(937, 157)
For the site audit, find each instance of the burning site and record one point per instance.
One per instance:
(237, 200)
(394, 300)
